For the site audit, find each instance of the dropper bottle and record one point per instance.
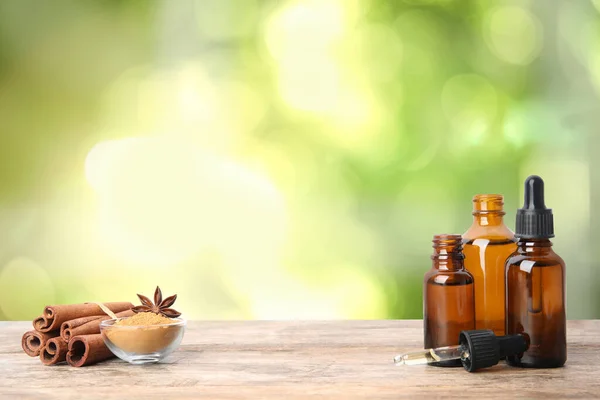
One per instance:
(535, 285)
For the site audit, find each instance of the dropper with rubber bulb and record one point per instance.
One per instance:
(534, 219)
(476, 349)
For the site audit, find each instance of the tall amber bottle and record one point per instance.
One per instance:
(448, 296)
(535, 285)
(487, 244)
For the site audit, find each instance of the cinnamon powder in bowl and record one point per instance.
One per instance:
(143, 338)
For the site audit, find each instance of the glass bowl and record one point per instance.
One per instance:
(142, 344)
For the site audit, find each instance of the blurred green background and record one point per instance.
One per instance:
(284, 159)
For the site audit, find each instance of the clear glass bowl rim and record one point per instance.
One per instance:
(110, 323)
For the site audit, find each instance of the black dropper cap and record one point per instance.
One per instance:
(486, 349)
(534, 220)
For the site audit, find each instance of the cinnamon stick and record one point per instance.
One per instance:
(53, 316)
(87, 325)
(87, 349)
(33, 341)
(54, 352)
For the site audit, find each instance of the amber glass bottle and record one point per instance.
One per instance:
(535, 285)
(487, 244)
(448, 297)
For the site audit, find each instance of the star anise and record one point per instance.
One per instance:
(159, 306)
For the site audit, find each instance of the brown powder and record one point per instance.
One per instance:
(145, 318)
(151, 333)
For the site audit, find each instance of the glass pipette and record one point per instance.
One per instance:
(431, 356)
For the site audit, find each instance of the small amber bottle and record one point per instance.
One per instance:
(487, 244)
(535, 285)
(448, 296)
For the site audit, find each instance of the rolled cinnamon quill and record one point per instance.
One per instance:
(53, 316)
(54, 352)
(33, 341)
(87, 349)
(87, 325)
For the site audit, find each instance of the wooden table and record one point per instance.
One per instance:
(292, 360)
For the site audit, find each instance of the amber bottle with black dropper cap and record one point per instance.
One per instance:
(535, 285)
(448, 296)
(487, 244)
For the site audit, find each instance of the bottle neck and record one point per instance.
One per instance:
(447, 253)
(538, 246)
(451, 264)
(488, 218)
(488, 210)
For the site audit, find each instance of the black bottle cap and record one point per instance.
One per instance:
(485, 349)
(534, 220)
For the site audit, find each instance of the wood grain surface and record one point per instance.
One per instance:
(294, 360)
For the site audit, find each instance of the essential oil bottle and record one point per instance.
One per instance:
(535, 285)
(487, 244)
(448, 296)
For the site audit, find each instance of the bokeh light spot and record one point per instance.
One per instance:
(381, 50)
(305, 27)
(302, 38)
(513, 34)
(469, 102)
(226, 20)
(310, 82)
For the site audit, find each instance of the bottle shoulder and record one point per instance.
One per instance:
(448, 277)
(546, 259)
(493, 233)
(558, 258)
